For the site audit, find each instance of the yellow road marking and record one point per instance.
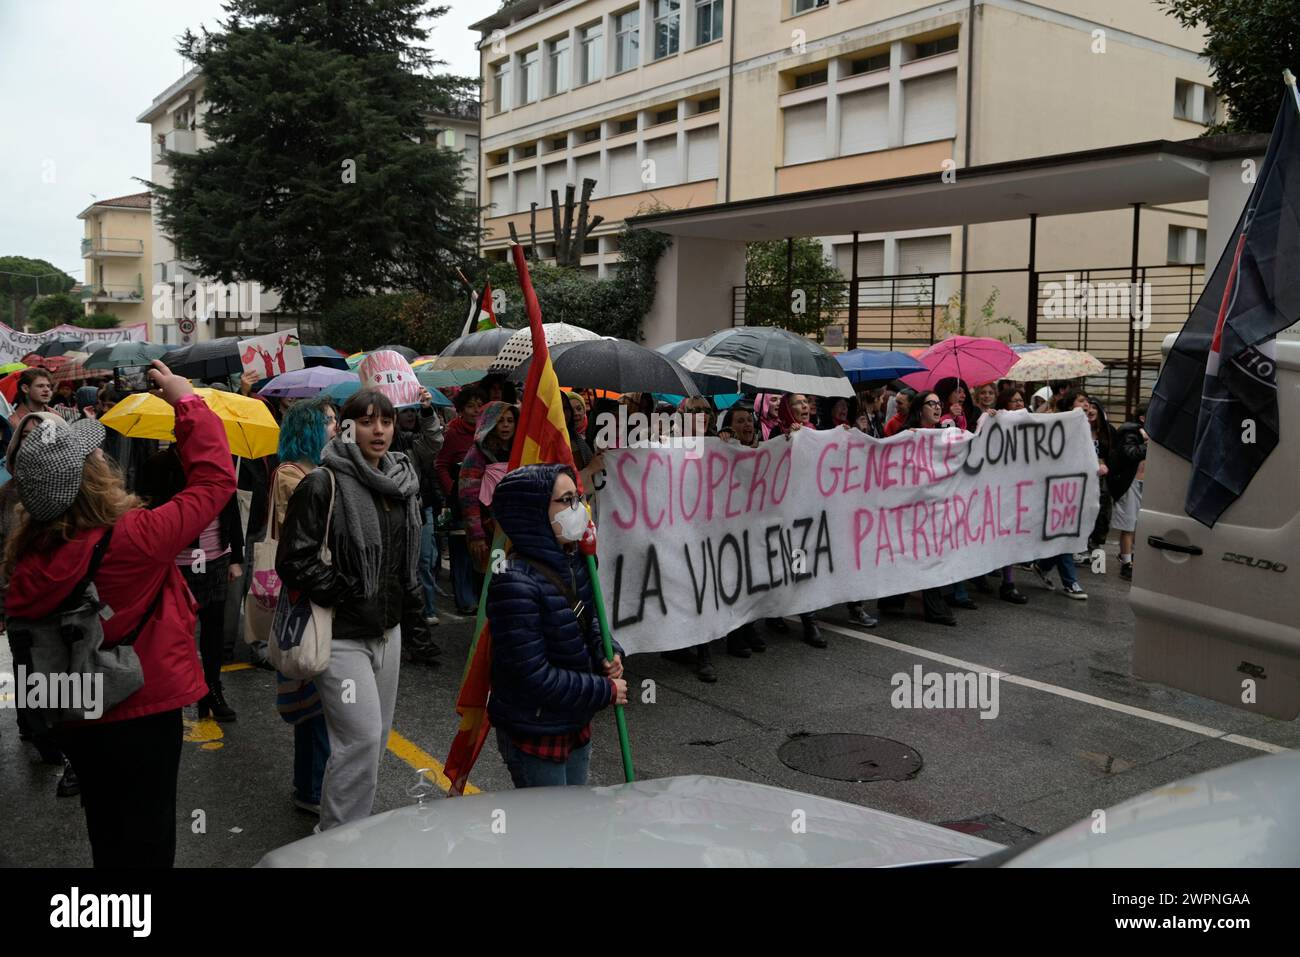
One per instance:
(237, 666)
(418, 758)
(205, 732)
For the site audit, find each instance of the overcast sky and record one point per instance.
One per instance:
(74, 75)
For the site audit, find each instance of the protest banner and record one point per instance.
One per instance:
(272, 354)
(391, 374)
(697, 541)
(14, 344)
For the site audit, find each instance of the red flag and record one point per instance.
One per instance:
(541, 436)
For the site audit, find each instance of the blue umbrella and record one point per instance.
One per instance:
(342, 391)
(869, 365)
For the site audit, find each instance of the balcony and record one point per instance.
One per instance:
(178, 141)
(104, 247)
(114, 292)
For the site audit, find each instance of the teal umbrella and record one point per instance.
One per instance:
(342, 391)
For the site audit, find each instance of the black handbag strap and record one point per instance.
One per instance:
(567, 589)
(78, 593)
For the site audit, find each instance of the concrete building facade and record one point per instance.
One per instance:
(674, 104)
(117, 247)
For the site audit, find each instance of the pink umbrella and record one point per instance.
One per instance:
(969, 358)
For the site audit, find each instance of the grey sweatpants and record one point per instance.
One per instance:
(358, 692)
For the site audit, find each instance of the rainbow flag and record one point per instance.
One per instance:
(541, 436)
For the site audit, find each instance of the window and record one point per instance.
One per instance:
(627, 40)
(624, 172)
(864, 121)
(805, 133)
(557, 80)
(869, 64)
(662, 168)
(526, 151)
(625, 126)
(668, 24)
(591, 135)
(591, 50)
(707, 106)
(666, 116)
(803, 6)
(588, 167)
(708, 21)
(530, 64)
(935, 47)
(501, 86)
(815, 78)
(1186, 246)
(496, 159)
(1194, 102)
(930, 108)
(702, 154)
(559, 143)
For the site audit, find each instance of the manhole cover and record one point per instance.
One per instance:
(850, 757)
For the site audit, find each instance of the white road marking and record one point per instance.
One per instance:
(1073, 695)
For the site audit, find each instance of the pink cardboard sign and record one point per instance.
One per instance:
(392, 375)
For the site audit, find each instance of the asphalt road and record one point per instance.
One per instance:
(1074, 731)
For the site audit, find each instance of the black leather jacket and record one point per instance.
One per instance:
(399, 600)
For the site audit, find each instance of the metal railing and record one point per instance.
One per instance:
(110, 246)
(114, 292)
(1095, 309)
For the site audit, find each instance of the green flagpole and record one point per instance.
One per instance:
(619, 716)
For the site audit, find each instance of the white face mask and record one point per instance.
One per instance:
(572, 522)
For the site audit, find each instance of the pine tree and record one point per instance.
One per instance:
(322, 181)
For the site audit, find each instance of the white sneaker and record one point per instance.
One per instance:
(431, 620)
(1076, 591)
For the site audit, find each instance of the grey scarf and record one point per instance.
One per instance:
(361, 542)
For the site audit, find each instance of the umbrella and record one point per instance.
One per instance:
(868, 365)
(406, 352)
(249, 424)
(12, 367)
(520, 344)
(767, 359)
(478, 350)
(9, 385)
(615, 364)
(306, 382)
(342, 391)
(58, 347)
(323, 356)
(974, 360)
(1040, 365)
(711, 385)
(214, 359)
(433, 379)
(119, 355)
(1020, 348)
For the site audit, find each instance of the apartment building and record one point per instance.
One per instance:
(456, 128)
(117, 249)
(686, 103)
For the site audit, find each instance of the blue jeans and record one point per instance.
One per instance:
(311, 749)
(530, 771)
(428, 563)
(463, 577)
(1064, 564)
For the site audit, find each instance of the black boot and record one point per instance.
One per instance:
(1009, 592)
(215, 704)
(69, 786)
(737, 646)
(704, 665)
(779, 625)
(811, 633)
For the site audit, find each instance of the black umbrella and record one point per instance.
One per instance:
(616, 365)
(406, 352)
(57, 347)
(478, 350)
(213, 359)
(767, 359)
(708, 384)
(324, 356)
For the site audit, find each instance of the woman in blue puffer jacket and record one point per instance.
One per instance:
(549, 674)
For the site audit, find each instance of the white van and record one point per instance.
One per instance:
(1218, 610)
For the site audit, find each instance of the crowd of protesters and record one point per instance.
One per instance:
(360, 504)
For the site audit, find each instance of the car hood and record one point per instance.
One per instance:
(688, 821)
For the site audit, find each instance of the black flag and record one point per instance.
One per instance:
(1217, 390)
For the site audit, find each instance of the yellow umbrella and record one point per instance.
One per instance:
(250, 427)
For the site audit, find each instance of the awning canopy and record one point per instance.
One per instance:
(1161, 172)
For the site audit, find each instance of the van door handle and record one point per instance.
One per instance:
(1155, 541)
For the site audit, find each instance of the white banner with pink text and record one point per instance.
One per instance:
(696, 541)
